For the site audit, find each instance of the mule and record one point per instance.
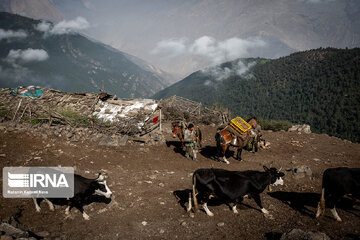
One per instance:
(178, 129)
(224, 139)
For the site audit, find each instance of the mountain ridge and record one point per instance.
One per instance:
(319, 87)
(74, 62)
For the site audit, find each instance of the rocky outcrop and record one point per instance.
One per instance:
(301, 172)
(305, 128)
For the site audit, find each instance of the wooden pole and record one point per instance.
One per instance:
(17, 109)
(30, 112)
(160, 119)
(23, 113)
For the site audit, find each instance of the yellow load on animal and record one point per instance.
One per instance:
(240, 126)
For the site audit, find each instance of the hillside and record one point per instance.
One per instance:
(319, 87)
(70, 62)
(150, 186)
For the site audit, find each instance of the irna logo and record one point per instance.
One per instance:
(37, 180)
(32, 182)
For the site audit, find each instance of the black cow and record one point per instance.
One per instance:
(337, 182)
(231, 186)
(83, 189)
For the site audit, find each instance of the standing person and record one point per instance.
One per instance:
(190, 142)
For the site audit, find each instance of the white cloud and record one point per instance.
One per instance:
(241, 68)
(43, 26)
(170, 48)
(226, 50)
(208, 83)
(63, 27)
(204, 46)
(209, 48)
(218, 74)
(27, 55)
(6, 34)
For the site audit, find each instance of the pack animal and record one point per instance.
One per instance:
(337, 182)
(83, 189)
(178, 131)
(231, 186)
(224, 139)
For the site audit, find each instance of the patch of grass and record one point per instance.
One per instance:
(101, 122)
(73, 116)
(35, 121)
(4, 110)
(274, 125)
(263, 61)
(77, 119)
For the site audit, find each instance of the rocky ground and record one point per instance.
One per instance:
(150, 184)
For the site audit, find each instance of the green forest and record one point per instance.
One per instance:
(319, 87)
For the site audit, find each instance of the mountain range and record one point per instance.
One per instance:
(164, 32)
(319, 87)
(35, 52)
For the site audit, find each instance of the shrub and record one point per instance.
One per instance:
(274, 125)
(4, 111)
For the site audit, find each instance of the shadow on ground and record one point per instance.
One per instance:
(302, 201)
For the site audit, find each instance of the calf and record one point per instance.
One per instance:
(231, 186)
(337, 182)
(83, 189)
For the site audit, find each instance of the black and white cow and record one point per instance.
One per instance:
(337, 182)
(83, 189)
(231, 186)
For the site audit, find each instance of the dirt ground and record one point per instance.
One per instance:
(150, 185)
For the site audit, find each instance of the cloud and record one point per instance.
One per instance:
(226, 50)
(43, 26)
(63, 27)
(218, 74)
(14, 75)
(27, 55)
(241, 68)
(6, 34)
(209, 48)
(171, 48)
(204, 46)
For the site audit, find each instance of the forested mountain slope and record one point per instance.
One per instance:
(320, 87)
